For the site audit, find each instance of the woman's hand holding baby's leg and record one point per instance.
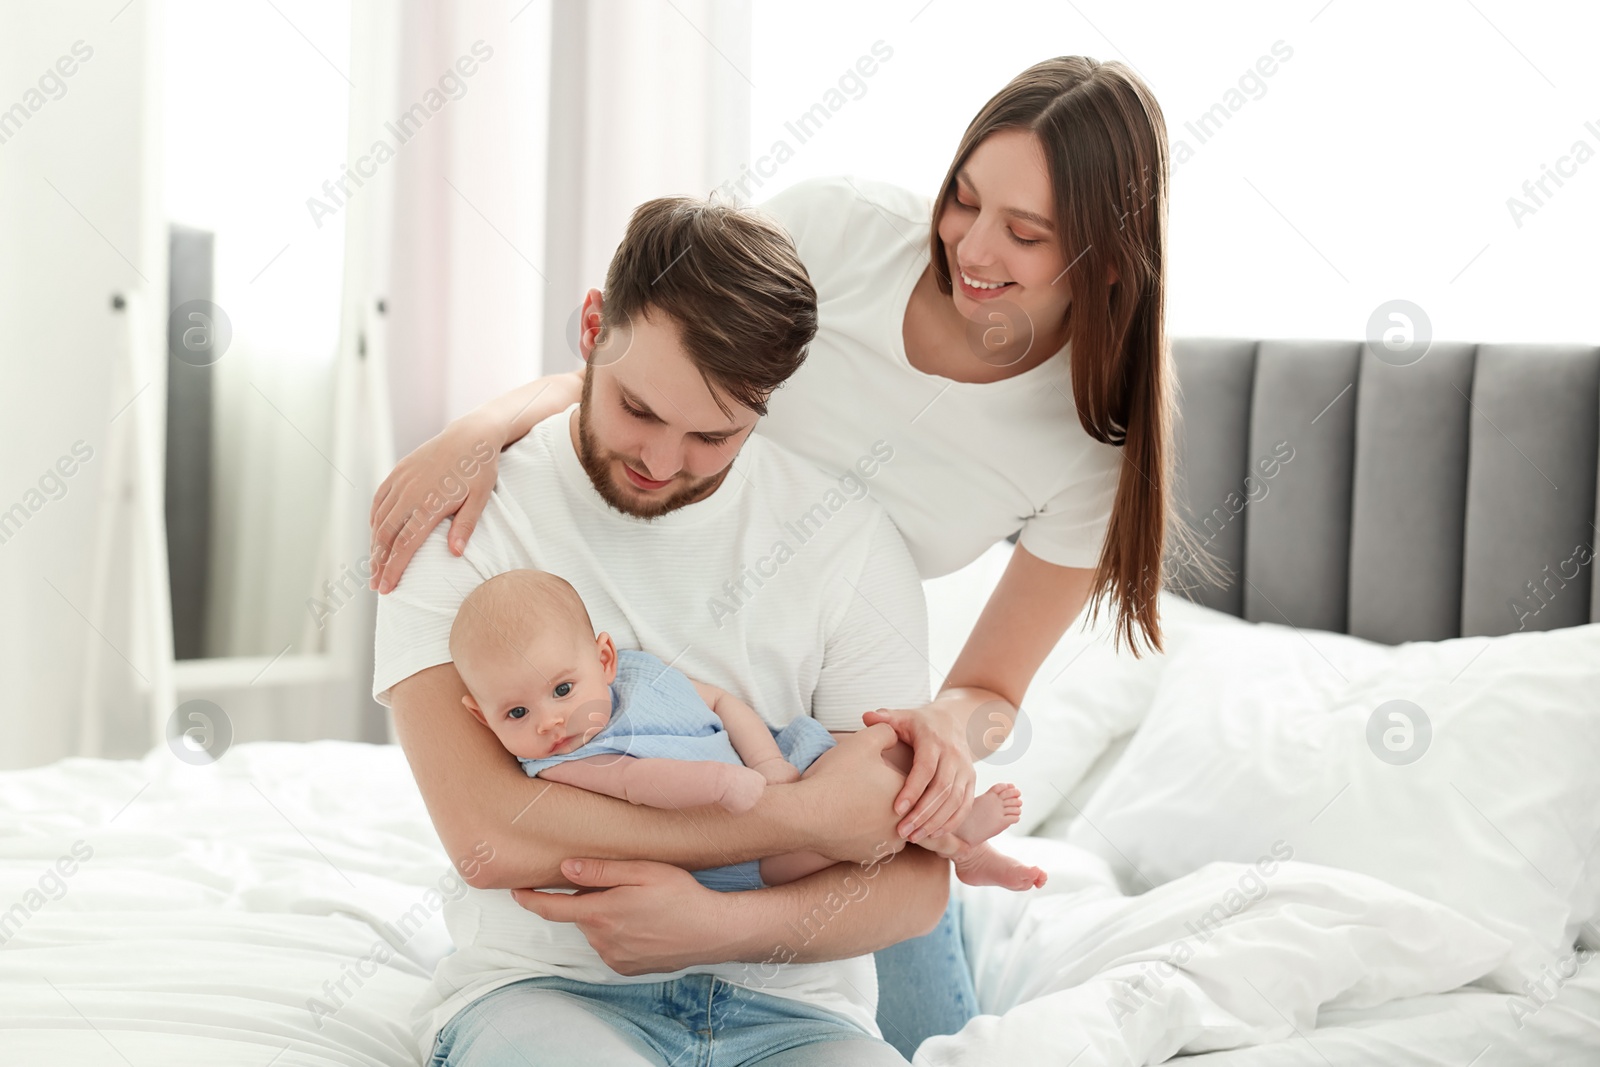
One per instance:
(975, 862)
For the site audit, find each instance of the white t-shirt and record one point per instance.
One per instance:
(973, 462)
(780, 587)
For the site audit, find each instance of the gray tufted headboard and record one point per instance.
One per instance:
(1451, 497)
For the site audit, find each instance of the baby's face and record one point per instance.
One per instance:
(552, 698)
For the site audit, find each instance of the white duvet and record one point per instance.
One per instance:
(1232, 955)
(1280, 962)
(275, 907)
(282, 908)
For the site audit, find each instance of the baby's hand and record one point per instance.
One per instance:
(777, 771)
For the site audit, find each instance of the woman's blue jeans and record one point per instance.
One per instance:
(925, 985)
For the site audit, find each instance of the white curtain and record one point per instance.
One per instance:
(653, 99)
(465, 294)
(510, 209)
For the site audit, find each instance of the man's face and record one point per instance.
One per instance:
(650, 434)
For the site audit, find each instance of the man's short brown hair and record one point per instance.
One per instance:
(731, 281)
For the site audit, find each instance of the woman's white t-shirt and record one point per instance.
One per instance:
(969, 463)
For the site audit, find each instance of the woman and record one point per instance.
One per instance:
(1006, 348)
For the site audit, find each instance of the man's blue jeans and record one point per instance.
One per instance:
(694, 1021)
(925, 985)
(924, 988)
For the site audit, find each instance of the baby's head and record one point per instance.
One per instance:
(535, 672)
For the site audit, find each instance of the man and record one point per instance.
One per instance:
(741, 565)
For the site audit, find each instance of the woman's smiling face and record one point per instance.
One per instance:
(1001, 237)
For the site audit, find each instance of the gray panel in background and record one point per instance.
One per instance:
(1297, 539)
(1212, 437)
(1531, 488)
(1408, 509)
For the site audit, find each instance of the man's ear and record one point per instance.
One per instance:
(608, 656)
(589, 322)
(472, 706)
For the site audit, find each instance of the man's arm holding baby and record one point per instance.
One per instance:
(482, 803)
(508, 831)
(845, 910)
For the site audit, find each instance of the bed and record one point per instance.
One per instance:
(1393, 884)
(281, 906)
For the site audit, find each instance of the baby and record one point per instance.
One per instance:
(575, 709)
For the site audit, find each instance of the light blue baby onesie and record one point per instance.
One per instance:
(657, 713)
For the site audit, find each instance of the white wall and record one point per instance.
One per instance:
(1376, 163)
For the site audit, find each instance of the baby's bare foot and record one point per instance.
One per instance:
(741, 787)
(992, 812)
(982, 864)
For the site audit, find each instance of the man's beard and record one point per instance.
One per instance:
(625, 497)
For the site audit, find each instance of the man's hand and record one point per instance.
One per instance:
(642, 917)
(849, 792)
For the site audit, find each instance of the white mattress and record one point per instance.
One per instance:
(219, 902)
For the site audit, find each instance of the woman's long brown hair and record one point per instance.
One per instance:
(1105, 142)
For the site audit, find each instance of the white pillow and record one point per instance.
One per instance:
(1083, 697)
(1262, 733)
